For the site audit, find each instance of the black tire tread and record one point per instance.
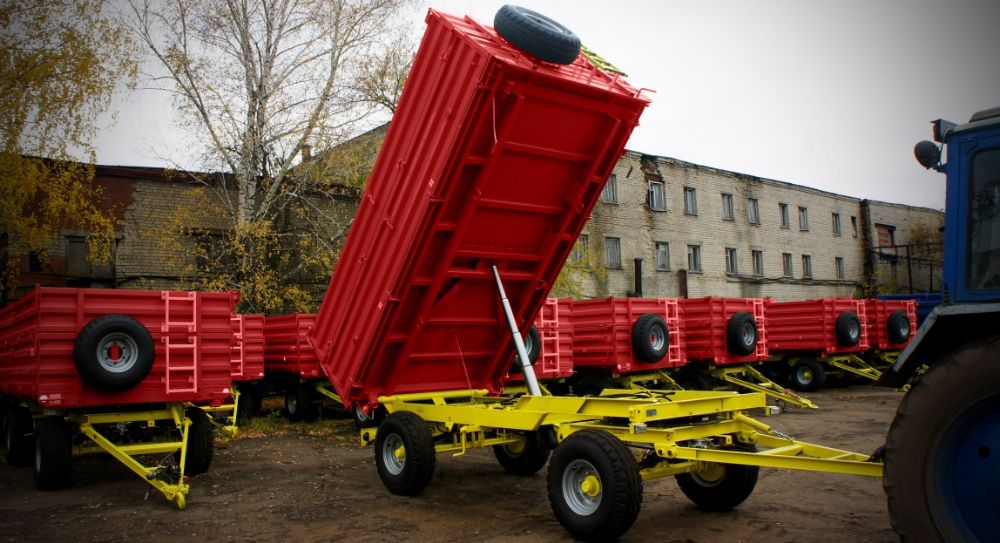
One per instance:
(201, 443)
(86, 344)
(420, 454)
(53, 438)
(819, 375)
(893, 326)
(842, 329)
(734, 334)
(542, 42)
(640, 338)
(735, 487)
(529, 461)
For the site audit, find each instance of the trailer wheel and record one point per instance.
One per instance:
(532, 345)
(897, 327)
(53, 453)
(299, 404)
(807, 375)
(524, 458)
(943, 451)
(113, 353)
(650, 338)
(537, 35)
(594, 486)
(848, 329)
(720, 487)
(201, 443)
(590, 386)
(19, 436)
(741, 334)
(404, 453)
(245, 410)
(371, 419)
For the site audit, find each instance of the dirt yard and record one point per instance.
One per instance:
(313, 482)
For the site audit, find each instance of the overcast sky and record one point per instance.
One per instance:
(827, 94)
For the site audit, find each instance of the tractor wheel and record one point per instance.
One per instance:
(594, 486)
(53, 453)
(19, 436)
(720, 487)
(537, 35)
(741, 334)
(650, 338)
(807, 375)
(404, 453)
(201, 443)
(113, 353)
(524, 458)
(848, 329)
(942, 455)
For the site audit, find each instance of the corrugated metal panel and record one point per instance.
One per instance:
(877, 322)
(491, 159)
(704, 329)
(248, 347)
(38, 333)
(809, 326)
(286, 347)
(602, 333)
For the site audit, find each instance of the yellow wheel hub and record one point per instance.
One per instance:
(711, 472)
(400, 454)
(591, 486)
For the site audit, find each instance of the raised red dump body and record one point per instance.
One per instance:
(706, 335)
(555, 359)
(603, 333)
(492, 158)
(192, 338)
(286, 346)
(248, 347)
(878, 316)
(811, 326)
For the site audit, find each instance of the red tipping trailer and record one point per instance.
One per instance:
(626, 335)
(492, 158)
(248, 347)
(823, 326)
(891, 323)
(286, 345)
(721, 331)
(184, 338)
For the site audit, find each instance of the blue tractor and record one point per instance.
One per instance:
(942, 455)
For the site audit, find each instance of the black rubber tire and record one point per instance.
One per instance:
(807, 375)
(372, 420)
(961, 385)
(697, 379)
(848, 329)
(245, 409)
(897, 327)
(533, 345)
(741, 334)
(53, 453)
(731, 489)
(647, 332)
(104, 329)
(537, 35)
(414, 472)
(201, 443)
(19, 436)
(525, 460)
(299, 404)
(620, 485)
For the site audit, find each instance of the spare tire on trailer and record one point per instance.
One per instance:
(650, 338)
(533, 346)
(897, 326)
(741, 334)
(848, 329)
(113, 353)
(537, 35)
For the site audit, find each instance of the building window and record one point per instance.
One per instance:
(836, 224)
(694, 258)
(783, 214)
(731, 265)
(753, 212)
(803, 218)
(786, 265)
(580, 248)
(610, 193)
(662, 255)
(854, 226)
(838, 263)
(727, 207)
(758, 263)
(690, 201)
(613, 252)
(886, 235)
(657, 196)
(807, 266)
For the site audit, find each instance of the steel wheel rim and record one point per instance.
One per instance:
(904, 329)
(360, 414)
(657, 338)
(529, 345)
(574, 476)
(804, 375)
(38, 459)
(749, 334)
(853, 330)
(390, 457)
(128, 351)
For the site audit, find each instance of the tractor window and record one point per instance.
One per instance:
(984, 221)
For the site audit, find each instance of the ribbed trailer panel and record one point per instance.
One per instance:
(286, 346)
(605, 332)
(880, 319)
(711, 335)
(822, 326)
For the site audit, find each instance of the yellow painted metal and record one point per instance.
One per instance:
(229, 410)
(327, 390)
(853, 364)
(748, 377)
(173, 491)
(651, 380)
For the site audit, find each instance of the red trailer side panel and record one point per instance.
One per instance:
(809, 326)
(286, 346)
(555, 360)
(192, 337)
(248, 347)
(705, 329)
(491, 159)
(602, 333)
(877, 321)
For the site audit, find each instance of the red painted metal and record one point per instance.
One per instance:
(704, 329)
(878, 312)
(555, 361)
(809, 326)
(248, 347)
(492, 158)
(602, 333)
(192, 336)
(286, 346)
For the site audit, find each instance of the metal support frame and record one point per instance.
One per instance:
(852, 363)
(172, 484)
(642, 381)
(676, 431)
(229, 412)
(748, 377)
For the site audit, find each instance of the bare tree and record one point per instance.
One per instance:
(262, 83)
